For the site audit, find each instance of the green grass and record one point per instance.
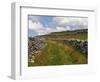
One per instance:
(81, 36)
(55, 53)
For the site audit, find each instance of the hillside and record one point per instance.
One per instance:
(58, 48)
(76, 34)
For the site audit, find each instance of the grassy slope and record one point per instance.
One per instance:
(81, 36)
(58, 54)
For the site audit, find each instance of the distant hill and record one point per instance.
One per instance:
(74, 34)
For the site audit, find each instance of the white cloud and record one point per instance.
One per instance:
(71, 22)
(39, 28)
(35, 25)
(63, 28)
(33, 18)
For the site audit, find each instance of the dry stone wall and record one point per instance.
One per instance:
(81, 45)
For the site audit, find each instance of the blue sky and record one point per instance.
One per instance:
(46, 20)
(41, 25)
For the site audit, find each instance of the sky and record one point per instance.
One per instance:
(41, 25)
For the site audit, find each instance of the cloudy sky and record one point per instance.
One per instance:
(40, 25)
